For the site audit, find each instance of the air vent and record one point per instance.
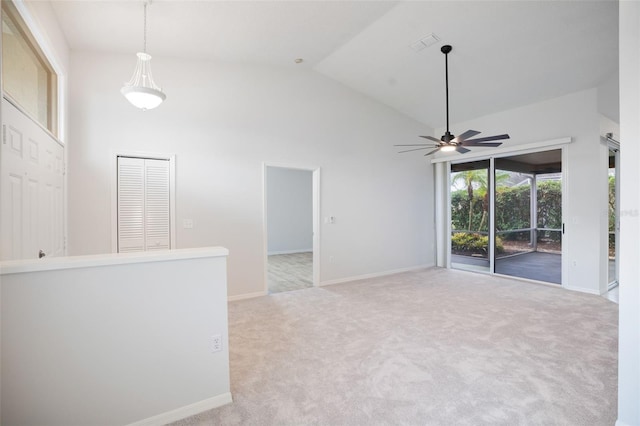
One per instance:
(425, 42)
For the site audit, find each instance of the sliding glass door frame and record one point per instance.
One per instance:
(492, 215)
(615, 147)
(443, 203)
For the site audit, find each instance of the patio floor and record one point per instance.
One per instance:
(535, 265)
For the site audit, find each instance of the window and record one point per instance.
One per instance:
(27, 76)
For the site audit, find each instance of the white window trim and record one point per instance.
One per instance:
(47, 50)
(114, 193)
(503, 151)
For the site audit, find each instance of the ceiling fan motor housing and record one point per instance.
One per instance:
(447, 137)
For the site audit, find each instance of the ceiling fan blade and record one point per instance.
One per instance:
(461, 149)
(415, 144)
(466, 135)
(415, 149)
(431, 138)
(431, 152)
(486, 144)
(489, 138)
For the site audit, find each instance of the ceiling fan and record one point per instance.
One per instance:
(449, 142)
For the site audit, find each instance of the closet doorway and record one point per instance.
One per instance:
(290, 222)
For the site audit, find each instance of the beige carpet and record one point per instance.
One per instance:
(433, 347)
(287, 272)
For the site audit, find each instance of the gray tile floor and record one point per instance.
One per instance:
(287, 272)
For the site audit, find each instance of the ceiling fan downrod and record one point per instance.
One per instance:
(447, 137)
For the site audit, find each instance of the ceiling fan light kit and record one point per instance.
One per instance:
(141, 90)
(449, 142)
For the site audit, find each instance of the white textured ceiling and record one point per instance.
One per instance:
(505, 53)
(271, 32)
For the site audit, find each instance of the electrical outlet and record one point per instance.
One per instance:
(216, 343)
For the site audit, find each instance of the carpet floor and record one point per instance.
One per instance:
(431, 347)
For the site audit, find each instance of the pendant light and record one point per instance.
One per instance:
(141, 91)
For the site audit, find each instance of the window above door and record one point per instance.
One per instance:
(28, 79)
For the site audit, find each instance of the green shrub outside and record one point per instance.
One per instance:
(512, 209)
(474, 243)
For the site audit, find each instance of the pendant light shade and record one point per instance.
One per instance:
(141, 90)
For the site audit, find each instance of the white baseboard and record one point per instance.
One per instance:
(583, 290)
(186, 411)
(271, 253)
(374, 275)
(246, 296)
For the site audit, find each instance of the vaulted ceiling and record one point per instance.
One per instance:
(505, 53)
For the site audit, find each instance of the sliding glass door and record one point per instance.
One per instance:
(519, 223)
(529, 216)
(470, 183)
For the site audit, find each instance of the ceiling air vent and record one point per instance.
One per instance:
(424, 42)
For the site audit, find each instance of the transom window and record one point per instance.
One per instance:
(27, 76)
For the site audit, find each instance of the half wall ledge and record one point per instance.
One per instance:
(114, 339)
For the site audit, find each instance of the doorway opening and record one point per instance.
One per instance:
(290, 225)
(506, 216)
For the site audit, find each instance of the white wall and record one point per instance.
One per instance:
(629, 323)
(223, 122)
(289, 210)
(575, 115)
(48, 29)
(609, 98)
(113, 340)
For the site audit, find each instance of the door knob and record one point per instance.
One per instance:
(41, 254)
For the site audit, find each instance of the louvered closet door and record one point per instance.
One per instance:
(156, 212)
(143, 204)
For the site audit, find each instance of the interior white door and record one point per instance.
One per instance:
(31, 189)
